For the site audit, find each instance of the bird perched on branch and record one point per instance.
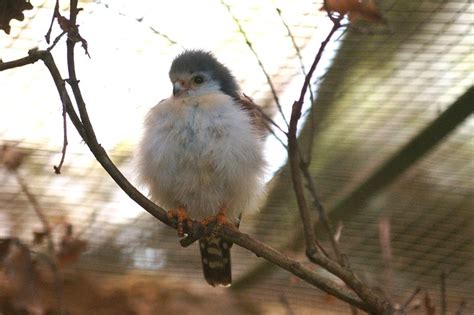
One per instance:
(201, 154)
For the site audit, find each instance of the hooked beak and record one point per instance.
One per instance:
(179, 88)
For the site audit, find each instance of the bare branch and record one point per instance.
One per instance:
(236, 237)
(294, 155)
(377, 304)
(31, 58)
(296, 268)
(366, 299)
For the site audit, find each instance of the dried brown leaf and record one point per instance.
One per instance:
(72, 32)
(39, 237)
(355, 10)
(429, 307)
(11, 157)
(70, 248)
(4, 247)
(12, 10)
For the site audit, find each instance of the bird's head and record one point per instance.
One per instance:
(197, 72)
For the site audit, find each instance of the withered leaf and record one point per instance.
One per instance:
(70, 248)
(12, 9)
(355, 10)
(39, 237)
(11, 157)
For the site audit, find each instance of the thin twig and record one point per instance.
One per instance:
(90, 221)
(409, 300)
(267, 120)
(140, 20)
(264, 115)
(386, 249)
(171, 41)
(297, 49)
(444, 304)
(306, 218)
(56, 40)
(63, 94)
(57, 169)
(323, 217)
(260, 63)
(429, 307)
(38, 210)
(55, 14)
(307, 158)
(51, 261)
(286, 304)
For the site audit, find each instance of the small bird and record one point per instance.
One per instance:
(201, 154)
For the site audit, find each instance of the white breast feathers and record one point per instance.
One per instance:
(202, 153)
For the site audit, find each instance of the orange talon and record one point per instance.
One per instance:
(220, 219)
(181, 216)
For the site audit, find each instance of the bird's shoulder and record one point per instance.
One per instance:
(257, 117)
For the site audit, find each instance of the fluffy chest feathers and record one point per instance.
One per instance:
(202, 152)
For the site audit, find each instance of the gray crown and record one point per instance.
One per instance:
(191, 61)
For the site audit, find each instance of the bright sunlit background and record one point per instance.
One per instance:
(132, 45)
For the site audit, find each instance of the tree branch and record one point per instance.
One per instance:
(368, 301)
(236, 237)
(31, 58)
(296, 268)
(323, 217)
(377, 304)
(294, 155)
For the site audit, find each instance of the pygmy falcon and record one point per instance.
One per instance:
(201, 154)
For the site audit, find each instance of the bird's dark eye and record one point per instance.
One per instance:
(198, 79)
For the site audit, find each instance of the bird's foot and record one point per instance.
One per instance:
(181, 215)
(220, 220)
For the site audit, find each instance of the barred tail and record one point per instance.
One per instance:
(215, 258)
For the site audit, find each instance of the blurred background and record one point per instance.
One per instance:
(392, 157)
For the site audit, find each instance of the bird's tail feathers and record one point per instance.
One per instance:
(215, 258)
